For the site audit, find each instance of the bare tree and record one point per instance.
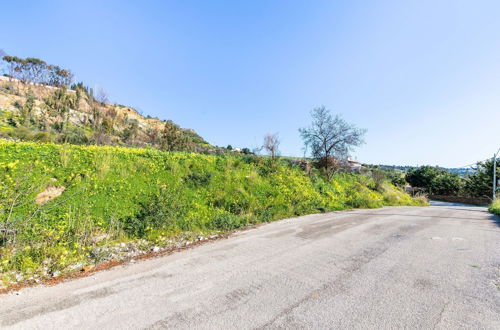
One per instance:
(3, 66)
(153, 134)
(95, 110)
(271, 144)
(101, 96)
(330, 138)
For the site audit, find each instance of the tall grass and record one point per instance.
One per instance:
(112, 194)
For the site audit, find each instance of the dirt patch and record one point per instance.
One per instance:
(49, 194)
(424, 284)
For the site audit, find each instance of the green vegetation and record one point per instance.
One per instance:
(438, 181)
(495, 207)
(480, 183)
(395, 176)
(66, 205)
(62, 205)
(435, 180)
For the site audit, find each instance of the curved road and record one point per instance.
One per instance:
(391, 268)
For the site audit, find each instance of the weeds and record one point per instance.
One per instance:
(495, 207)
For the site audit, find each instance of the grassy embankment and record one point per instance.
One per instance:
(64, 206)
(495, 207)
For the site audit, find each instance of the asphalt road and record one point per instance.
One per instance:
(391, 268)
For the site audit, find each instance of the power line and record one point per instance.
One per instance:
(475, 164)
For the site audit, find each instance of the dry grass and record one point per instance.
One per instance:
(421, 198)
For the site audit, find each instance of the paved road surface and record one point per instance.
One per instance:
(393, 268)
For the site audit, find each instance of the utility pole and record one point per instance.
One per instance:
(495, 174)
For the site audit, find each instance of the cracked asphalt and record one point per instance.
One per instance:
(435, 267)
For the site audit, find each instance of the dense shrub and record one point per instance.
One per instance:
(227, 221)
(479, 184)
(73, 135)
(43, 137)
(435, 180)
(110, 194)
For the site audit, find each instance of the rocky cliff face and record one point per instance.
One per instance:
(40, 108)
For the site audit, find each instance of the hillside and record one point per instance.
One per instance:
(64, 206)
(38, 112)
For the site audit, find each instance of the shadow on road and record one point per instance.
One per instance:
(482, 210)
(496, 219)
(441, 203)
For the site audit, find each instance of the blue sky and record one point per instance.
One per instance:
(422, 76)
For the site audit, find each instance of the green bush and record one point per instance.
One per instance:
(436, 181)
(495, 207)
(43, 137)
(73, 135)
(227, 221)
(478, 184)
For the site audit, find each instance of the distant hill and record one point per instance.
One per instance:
(38, 103)
(463, 171)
